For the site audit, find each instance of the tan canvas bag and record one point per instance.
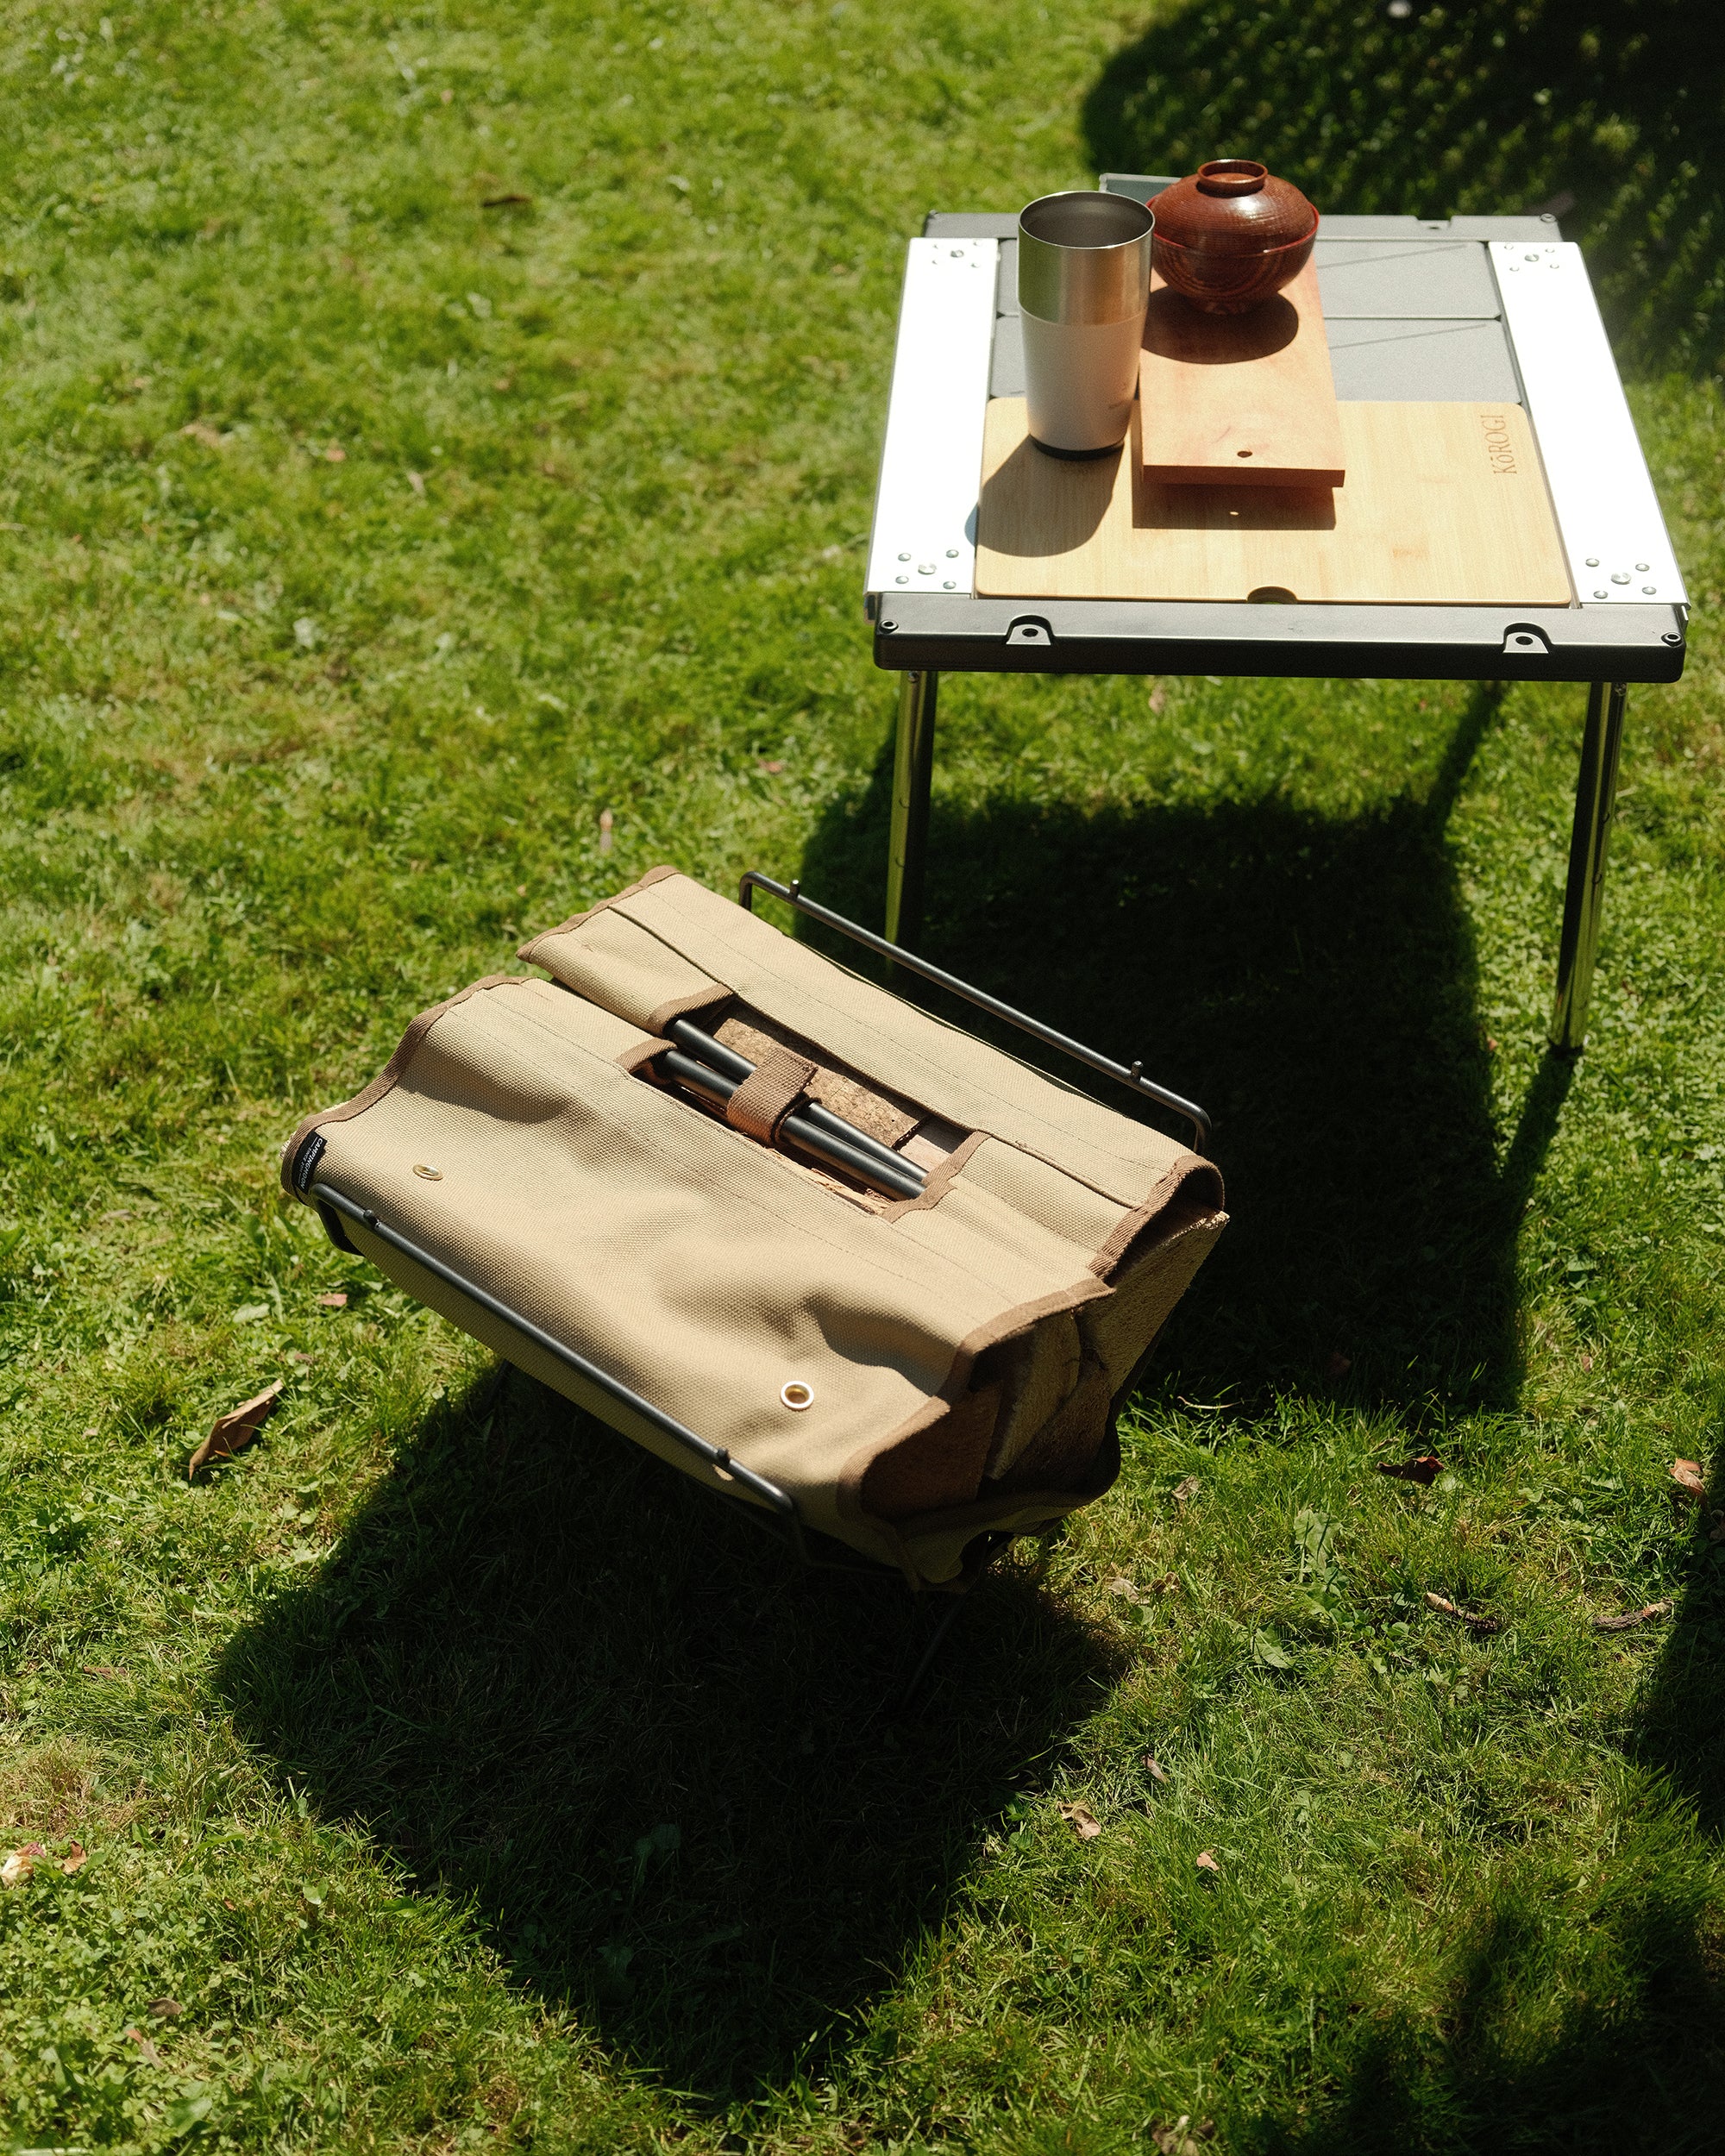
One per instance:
(912, 1373)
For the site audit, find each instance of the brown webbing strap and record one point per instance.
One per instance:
(761, 1103)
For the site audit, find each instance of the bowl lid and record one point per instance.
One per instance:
(1233, 205)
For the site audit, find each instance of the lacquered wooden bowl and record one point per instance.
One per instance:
(1232, 235)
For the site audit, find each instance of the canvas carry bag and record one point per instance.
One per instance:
(912, 1375)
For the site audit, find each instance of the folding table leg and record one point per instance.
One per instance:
(912, 770)
(1596, 797)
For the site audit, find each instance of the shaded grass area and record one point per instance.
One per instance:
(447, 1775)
(1610, 114)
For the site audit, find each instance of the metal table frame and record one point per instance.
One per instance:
(1470, 308)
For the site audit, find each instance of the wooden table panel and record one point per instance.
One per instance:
(1445, 505)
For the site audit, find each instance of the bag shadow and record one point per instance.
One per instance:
(553, 1680)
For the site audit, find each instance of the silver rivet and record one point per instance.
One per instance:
(1597, 594)
(1530, 258)
(1622, 577)
(1650, 589)
(1593, 562)
(1644, 567)
(796, 1395)
(950, 587)
(956, 253)
(952, 556)
(904, 557)
(901, 579)
(925, 568)
(431, 1174)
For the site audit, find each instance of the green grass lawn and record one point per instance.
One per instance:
(447, 1775)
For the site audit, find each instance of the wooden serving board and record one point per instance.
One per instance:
(1446, 504)
(1248, 400)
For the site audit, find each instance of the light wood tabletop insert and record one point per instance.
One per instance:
(1445, 505)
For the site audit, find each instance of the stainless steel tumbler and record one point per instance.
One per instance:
(1083, 287)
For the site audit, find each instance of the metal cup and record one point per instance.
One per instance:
(1083, 287)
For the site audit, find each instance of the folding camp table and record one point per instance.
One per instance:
(1473, 309)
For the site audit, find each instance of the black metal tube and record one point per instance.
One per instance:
(1131, 1075)
(689, 1036)
(714, 1456)
(901, 1180)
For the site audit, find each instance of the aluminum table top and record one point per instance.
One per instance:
(1475, 310)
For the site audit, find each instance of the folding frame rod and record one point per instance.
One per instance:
(913, 774)
(1595, 801)
(1129, 1075)
(714, 1456)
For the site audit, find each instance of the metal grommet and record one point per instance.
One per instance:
(431, 1174)
(796, 1395)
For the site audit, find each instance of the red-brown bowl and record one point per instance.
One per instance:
(1229, 284)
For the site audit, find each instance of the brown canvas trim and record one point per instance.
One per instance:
(940, 1180)
(953, 1387)
(762, 1102)
(1191, 1169)
(680, 1006)
(392, 1071)
(639, 1052)
(565, 928)
(1048, 1505)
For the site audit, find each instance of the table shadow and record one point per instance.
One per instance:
(554, 1681)
(1612, 119)
(1310, 980)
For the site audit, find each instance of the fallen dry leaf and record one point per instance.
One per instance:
(1122, 1586)
(1206, 1862)
(294, 1355)
(165, 2010)
(146, 2050)
(1183, 2137)
(1185, 1491)
(1474, 1622)
(1631, 1618)
(1689, 1478)
(1338, 1364)
(1587, 1361)
(1424, 1469)
(1159, 698)
(76, 1860)
(1154, 1767)
(333, 1302)
(772, 766)
(606, 823)
(21, 1864)
(98, 1669)
(503, 201)
(201, 430)
(234, 1431)
(416, 481)
(335, 454)
(1082, 1821)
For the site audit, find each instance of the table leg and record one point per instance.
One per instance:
(1595, 796)
(913, 769)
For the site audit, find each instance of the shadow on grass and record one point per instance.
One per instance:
(1636, 2067)
(548, 1674)
(1311, 981)
(1610, 113)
